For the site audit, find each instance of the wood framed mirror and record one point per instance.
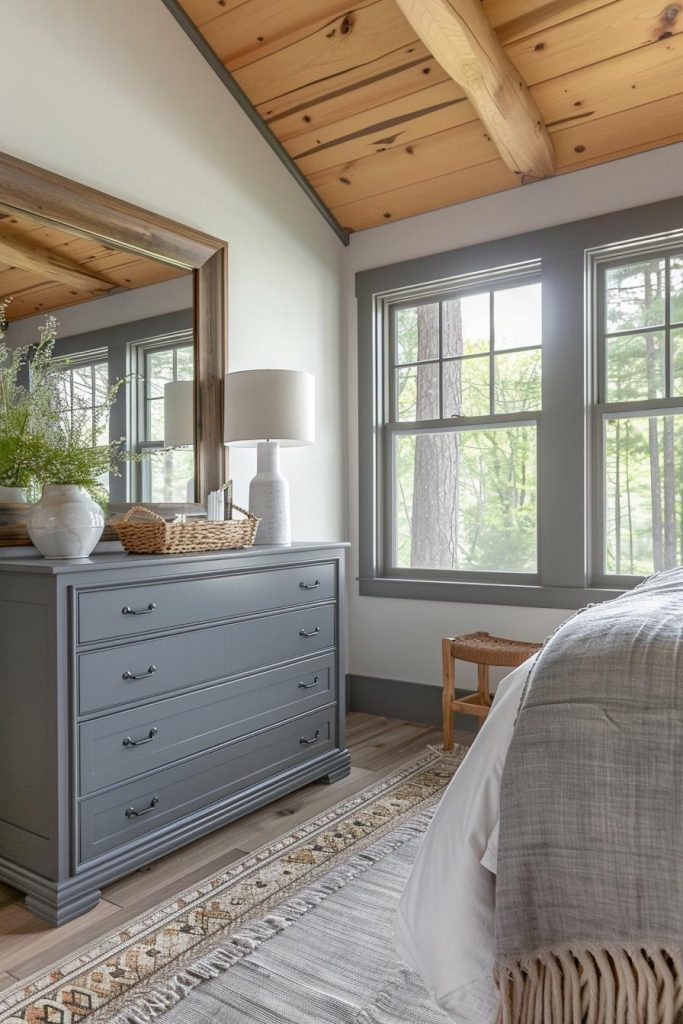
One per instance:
(151, 248)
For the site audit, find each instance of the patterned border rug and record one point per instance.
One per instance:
(123, 976)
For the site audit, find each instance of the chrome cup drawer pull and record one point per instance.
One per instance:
(313, 632)
(128, 742)
(127, 610)
(140, 675)
(308, 686)
(305, 740)
(310, 586)
(131, 812)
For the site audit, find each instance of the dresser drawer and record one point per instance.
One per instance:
(130, 611)
(118, 747)
(117, 817)
(150, 668)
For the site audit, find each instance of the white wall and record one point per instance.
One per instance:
(396, 638)
(114, 95)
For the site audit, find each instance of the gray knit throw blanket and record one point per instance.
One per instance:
(589, 891)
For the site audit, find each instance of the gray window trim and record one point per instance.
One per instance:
(566, 561)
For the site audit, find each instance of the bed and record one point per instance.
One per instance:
(549, 886)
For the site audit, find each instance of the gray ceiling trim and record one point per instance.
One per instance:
(245, 103)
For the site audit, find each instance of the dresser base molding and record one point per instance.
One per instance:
(59, 902)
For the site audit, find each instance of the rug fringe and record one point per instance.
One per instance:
(592, 985)
(242, 944)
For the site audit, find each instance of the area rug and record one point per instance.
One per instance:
(136, 973)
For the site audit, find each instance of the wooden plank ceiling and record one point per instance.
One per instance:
(381, 132)
(44, 268)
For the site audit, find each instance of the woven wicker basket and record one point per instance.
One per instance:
(155, 536)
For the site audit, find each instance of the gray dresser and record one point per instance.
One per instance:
(147, 700)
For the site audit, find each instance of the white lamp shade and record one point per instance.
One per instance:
(179, 413)
(269, 405)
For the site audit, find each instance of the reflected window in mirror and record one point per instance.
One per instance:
(163, 475)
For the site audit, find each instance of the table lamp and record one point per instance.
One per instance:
(269, 408)
(179, 414)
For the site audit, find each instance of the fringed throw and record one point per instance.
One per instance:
(593, 986)
(589, 892)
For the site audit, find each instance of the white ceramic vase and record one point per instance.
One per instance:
(12, 496)
(66, 522)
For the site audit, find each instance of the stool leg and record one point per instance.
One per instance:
(483, 687)
(448, 693)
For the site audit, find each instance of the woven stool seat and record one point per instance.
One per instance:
(484, 651)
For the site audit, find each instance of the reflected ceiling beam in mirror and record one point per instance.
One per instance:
(460, 37)
(52, 266)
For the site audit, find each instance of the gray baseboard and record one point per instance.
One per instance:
(396, 698)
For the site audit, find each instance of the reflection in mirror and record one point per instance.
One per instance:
(121, 315)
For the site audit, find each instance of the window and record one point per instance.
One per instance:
(166, 476)
(84, 383)
(521, 428)
(462, 431)
(639, 412)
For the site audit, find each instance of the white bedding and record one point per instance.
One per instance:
(444, 925)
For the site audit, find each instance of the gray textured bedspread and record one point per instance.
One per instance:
(589, 897)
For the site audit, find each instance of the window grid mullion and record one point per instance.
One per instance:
(440, 360)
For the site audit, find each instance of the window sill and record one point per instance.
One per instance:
(526, 595)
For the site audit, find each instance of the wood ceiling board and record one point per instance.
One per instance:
(259, 28)
(451, 150)
(383, 78)
(514, 20)
(363, 136)
(201, 11)
(354, 40)
(644, 127)
(612, 86)
(421, 197)
(404, 83)
(600, 35)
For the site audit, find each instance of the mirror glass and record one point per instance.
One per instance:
(121, 316)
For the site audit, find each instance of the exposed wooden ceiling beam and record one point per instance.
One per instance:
(51, 265)
(459, 35)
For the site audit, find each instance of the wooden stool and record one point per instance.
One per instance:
(483, 650)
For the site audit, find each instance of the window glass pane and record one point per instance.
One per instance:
(643, 494)
(677, 362)
(466, 500)
(159, 370)
(466, 325)
(676, 294)
(81, 377)
(169, 476)
(101, 376)
(634, 295)
(417, 333)
(517, 317)
(417, 392)
(636, 367)
(185, 363)
(466, 389)
(518, 381)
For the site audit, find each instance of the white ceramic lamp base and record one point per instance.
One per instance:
(269, 496)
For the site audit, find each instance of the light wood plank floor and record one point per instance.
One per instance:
(378, 747)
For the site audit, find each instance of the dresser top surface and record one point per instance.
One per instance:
(35, 563)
